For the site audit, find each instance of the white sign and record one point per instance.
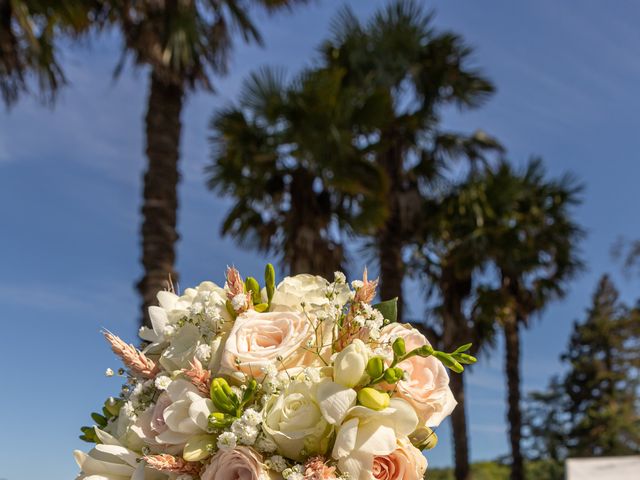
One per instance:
(604, 468)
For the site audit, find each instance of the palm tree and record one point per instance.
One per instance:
(29, 30)
(415, 72)
(286, 155)
(183, 43)
(449, 254)
(532, 241)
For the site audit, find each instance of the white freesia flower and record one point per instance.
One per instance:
(182, 348)
(349, 365)
(365, 434)
(206, 301)
(187, 414)
(335, 400)
(294, 421)
(110, 460)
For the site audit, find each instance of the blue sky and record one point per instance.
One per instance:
(567, 76)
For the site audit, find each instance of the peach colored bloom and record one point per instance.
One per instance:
(200, 377)
(133, 358)
(259, 339)
(240, 463)
(427, 386)
(405, 463)
(316, 469)
(235, 286)
(367, 292)
(169, 463)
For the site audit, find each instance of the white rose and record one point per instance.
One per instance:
(293, 291)
(186, 415)
(258, 340)
(350, 364)
(314, 291)
(294, 421)
(110, 460)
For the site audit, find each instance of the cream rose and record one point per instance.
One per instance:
(293, 291)
(314, 291)
(261, 339)
(240, 463)
(406, 462)
(427, 385)
(295, 423)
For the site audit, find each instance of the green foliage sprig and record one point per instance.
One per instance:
(454, 361)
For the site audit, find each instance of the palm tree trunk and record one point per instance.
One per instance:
(514, 416)
(459, 426)
(160, 197)
(391, 236)
(390, 246)
(453, 323)
(308, 250)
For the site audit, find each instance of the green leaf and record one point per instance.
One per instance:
(230, 309)
(252, 285)
(375, 367)
(449, 361)
(261, 307)
(270, 280)
(388, 309)
(463, 348)
(399, 348)
(464, 358)
(89, 435)
(99, 419)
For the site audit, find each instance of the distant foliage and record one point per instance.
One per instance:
(538, 470)
(593, 409)
(602, 385)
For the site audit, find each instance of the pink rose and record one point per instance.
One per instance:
(151, 423)
(259, 339)
(158, 424)
(427, 387)
(405, 463)
(241, 463)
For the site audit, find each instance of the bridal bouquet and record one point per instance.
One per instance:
(306, 380)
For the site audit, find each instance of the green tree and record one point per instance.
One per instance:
(533, 242)
(29, 35)
(545, 423)
(628, 252)
(414, 72)
(603, 382)
(286, 155)
(183, 43)
(593, 409)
